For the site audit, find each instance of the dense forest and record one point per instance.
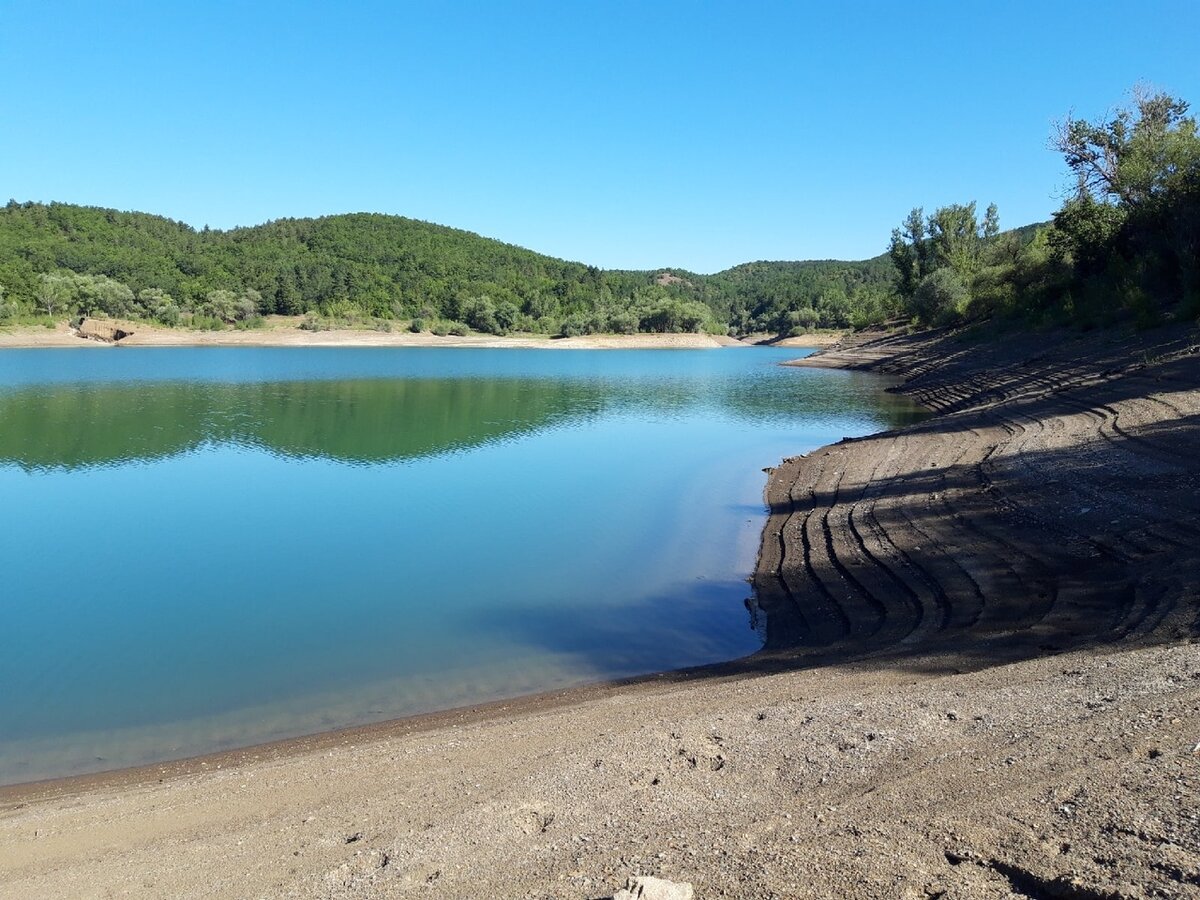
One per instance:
(63, 260)
(1126, 244)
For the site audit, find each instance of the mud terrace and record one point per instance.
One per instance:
(982, 679)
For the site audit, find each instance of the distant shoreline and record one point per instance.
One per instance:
(283, 332)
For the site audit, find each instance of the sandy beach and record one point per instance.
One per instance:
(981, 679)
(284, 331)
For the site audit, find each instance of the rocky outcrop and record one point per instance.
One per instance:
(107, 331)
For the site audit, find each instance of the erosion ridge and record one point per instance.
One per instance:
(1049, 503)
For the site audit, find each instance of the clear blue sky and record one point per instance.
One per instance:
(628, 135)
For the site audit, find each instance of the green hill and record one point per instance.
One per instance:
(67, 259)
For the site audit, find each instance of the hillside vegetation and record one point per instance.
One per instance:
(1125, 245)
(62, 260)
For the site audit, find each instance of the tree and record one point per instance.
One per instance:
(991, 222)
(1132, 230)
(951, 238)
(221, 305)
(1141, 153)
(100, 294)
(159, 305)
(55, 292)
(954, 239)
(909, 252)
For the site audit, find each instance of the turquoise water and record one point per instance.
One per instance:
(211, 547)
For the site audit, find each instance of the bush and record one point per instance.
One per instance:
(458, 329)
(801, 321)
(480, 314)
(313, 322)
(623, 322)
(416, 326)
(576, 324)
(207, 323)
(940, 297)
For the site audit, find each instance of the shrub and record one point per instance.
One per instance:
(313, 322)
(940, 297)
(624, 322)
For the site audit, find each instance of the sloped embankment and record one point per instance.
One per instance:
(1052, 502)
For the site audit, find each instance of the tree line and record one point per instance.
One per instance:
(1124, 245)
(61, 260)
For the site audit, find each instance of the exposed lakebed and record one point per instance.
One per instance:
(212, 547)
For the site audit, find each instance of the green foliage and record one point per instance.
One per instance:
(9, 309)
(940, 297)
(952, 240)
(956, 238)
(1131, 234)
(364, 268)
(909, 252)
(1125, 246)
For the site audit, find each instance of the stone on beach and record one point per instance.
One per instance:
(645, 887)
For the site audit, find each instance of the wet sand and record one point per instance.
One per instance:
(982, 679)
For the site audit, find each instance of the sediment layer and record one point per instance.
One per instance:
(1050, 502)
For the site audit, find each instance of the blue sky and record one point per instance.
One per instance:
(627, 135)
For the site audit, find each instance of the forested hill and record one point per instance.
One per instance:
(62, 259)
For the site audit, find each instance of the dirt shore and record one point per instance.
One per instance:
(282, 331)
(982, 679)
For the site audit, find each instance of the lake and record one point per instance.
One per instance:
(206, 548)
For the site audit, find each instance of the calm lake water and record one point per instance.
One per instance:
(212, 547)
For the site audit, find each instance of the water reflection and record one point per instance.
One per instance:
(76, 426)
(367, 421)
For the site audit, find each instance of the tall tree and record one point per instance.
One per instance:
(1143, 152)
(991, 222)
(954, 238)
(909, 252)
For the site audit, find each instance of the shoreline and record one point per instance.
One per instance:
(958, 649)
(283, 332)
(279, 748)
(283, 748)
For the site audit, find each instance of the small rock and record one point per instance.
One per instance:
(952, 715)
(645, 887)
